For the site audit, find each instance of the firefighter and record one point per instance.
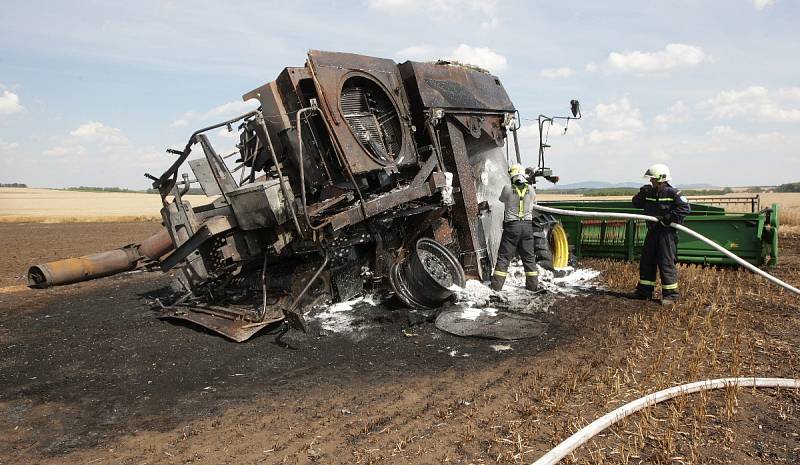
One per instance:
(660, 249)
(518, 197)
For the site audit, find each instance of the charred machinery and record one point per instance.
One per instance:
(354, 172)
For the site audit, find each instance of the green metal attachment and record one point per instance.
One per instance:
(751, 236)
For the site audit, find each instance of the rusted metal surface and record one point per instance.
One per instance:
(454, 87)
(73, 270)
(331, 71)
(350, 162)
(384, 203)
(465, 211)
(157, 245)
(232, 325)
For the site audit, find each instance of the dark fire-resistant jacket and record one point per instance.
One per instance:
(667, 202)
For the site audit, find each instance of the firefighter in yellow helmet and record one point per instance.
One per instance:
(518, 197)
(660, 249)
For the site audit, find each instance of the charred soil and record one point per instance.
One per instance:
(88, 375)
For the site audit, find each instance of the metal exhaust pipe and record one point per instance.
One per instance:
(98, 265)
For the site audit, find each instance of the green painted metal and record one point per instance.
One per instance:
(751, 236)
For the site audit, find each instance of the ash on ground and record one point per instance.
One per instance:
(476, 310)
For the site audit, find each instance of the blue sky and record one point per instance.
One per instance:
(92, 93)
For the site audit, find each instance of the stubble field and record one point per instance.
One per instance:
(87, 375)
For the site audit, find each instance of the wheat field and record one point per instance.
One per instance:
(57, 206)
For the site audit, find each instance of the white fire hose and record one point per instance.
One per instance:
(679, 227)
(584, 435)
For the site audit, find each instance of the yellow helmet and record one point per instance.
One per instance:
(517, 173)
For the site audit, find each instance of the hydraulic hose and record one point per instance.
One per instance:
(584, 435)
(679, 227)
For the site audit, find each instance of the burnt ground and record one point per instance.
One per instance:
(88, 375)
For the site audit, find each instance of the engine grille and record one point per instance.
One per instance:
(372, 117)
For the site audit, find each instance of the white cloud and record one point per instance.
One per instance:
(92, 138)
(761, 4)
(479, 56)
(531, 131)
(602, 137)
(416, 53)
(230, 109)
(674, 56)
(556, 73)
(590, 67)
(8, 147)
(789, 93)
(491, 24)
(225, 134)
(487, 7)
(97, 154)
(97, 132)
(217, 114)
(755, 103)
(660, 155)
(616, 121)
(678, 113)
(65, 150)
(619, 115)
(720, 134)
(9, 103)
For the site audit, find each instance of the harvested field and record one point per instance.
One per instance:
(87, 375)
(57, 206)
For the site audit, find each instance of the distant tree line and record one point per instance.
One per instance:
(789, 187)
(14, 184)
(192, 191)
(629, 191)
(103, 189)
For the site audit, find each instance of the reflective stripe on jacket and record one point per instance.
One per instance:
(518, 202)
(667, 201)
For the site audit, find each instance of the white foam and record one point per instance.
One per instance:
(472, 313)
(571, 284)
(339, 317)
(500, 347)
(476, 297)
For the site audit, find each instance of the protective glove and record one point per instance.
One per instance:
(665, 220)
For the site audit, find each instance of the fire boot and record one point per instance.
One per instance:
(639, 294)
(532, 281)
(669, 297)
(498, 279)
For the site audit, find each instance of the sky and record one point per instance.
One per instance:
(93, 93)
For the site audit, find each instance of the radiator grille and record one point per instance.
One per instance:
(372, 118)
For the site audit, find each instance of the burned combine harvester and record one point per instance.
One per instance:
(355, 172)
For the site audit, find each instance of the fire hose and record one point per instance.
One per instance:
(584, 435)
(679, 227)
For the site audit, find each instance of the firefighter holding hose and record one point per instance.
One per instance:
(518, 239)
(660, 250)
